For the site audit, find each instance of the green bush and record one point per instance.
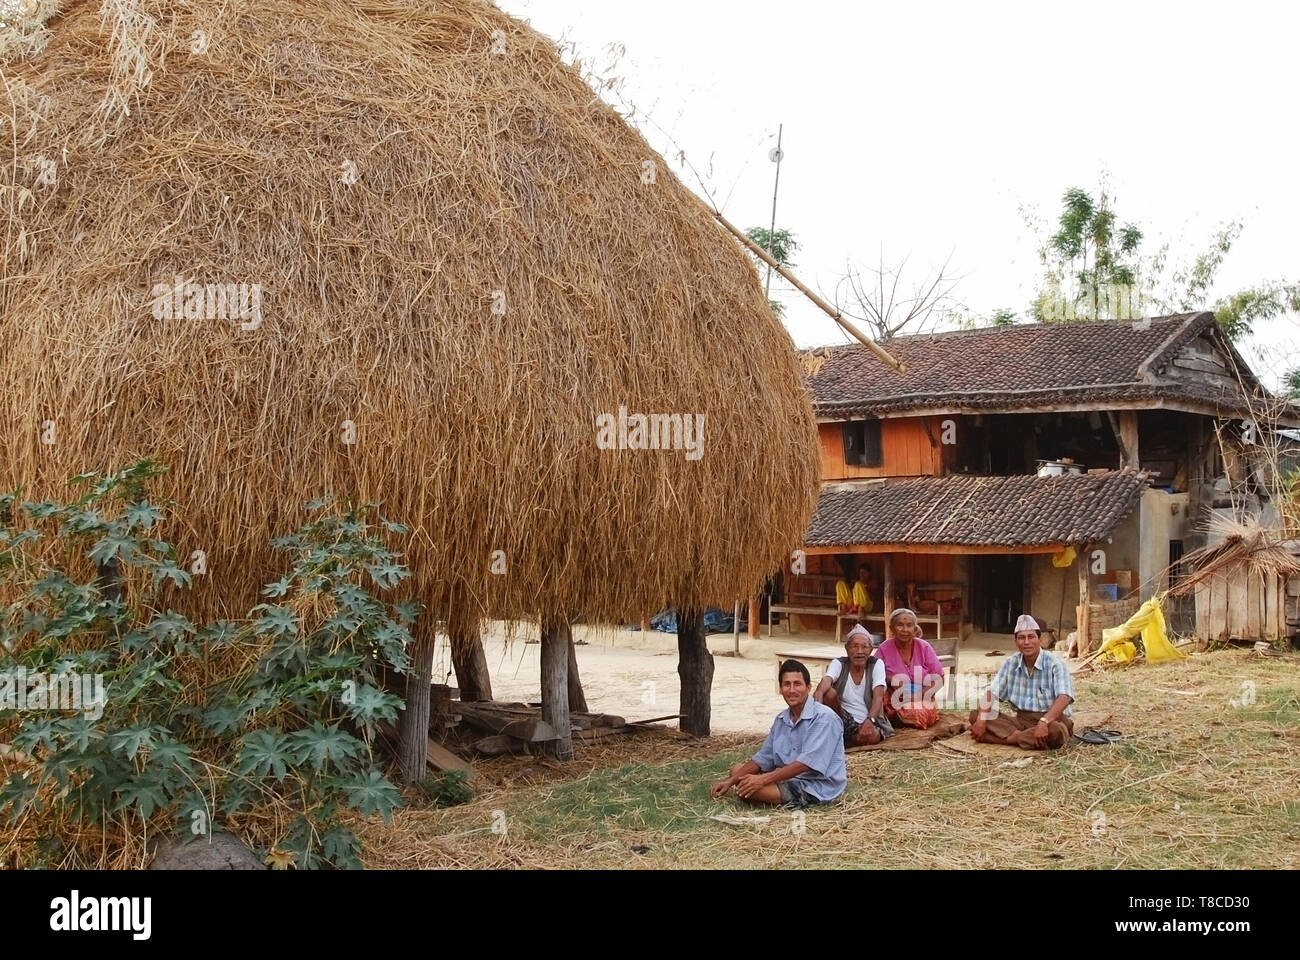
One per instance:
(294, 731)
(447, 789)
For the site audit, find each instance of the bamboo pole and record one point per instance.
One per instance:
(767, 286)
(834, 314)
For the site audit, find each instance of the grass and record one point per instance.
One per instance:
(1197, 782)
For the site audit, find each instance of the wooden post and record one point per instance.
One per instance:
(887, 604)
(735, 630)
(555, 687)
(414, 727)
(695, 668)
(755, 616)
(467, 656)
(577, 699)
(108, 577)
(1085, 597)
(1128, 440)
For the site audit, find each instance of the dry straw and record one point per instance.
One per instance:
(217, 143)
(1238, 548)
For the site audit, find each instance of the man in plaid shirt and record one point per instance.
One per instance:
(1037, 683)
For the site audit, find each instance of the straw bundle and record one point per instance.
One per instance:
(1244, 548)
(453, 254)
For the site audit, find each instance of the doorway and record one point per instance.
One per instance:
(997, 592)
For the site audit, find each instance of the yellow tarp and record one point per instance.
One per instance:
(1149, 621)
(1063, 558)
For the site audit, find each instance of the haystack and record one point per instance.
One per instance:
(449, 257)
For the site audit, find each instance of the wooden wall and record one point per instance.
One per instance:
(1241, 605)
(908, 450)
(923, 568)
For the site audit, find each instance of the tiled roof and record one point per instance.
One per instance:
(1016, 511)
(1008, 367)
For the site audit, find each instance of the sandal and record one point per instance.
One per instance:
(1099, 736)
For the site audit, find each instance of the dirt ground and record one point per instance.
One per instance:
(634, 674)
(1203, 777)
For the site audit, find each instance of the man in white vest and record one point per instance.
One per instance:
(854, 687)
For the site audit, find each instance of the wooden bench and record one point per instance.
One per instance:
(809, 657)
(789, 608)
(936, 620)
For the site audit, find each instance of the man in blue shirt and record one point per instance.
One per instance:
(1037, 683)
(802, 760)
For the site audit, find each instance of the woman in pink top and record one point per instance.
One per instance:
(913, 672)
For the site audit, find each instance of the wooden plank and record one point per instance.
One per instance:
(1238, 598)
(1274, 628)
(435, 754)
(960, 550)
(601, 733)
(671, 716)
(831, 436)
(440, 758)
(1203, 366)
(1218, 620)
(1254, 605)
(513, 720)
(914, 440)
(1203, 611)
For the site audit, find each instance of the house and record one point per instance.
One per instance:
(1047, 468)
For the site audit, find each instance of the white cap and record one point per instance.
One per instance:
(1026, 622)
(858, 631)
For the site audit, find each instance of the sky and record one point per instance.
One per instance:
(927, 130)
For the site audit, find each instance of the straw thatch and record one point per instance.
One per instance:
(1245, 549)
(212, 142)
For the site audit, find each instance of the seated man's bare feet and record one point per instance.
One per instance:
(867, 735)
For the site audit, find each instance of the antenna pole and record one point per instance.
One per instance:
(779, 155)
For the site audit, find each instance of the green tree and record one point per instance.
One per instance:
(1291, 383)
(1093, 268)
(1087, 261)
(780, 245)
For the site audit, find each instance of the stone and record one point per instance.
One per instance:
(221, 851)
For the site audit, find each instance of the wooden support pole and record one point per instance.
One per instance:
(834, 314)
(577, 699)
(414, 725)
(464, 630)
(1085, 597)
(695, 669)
(555, 687)
(755, 616)
(887, 606)
(1128, 438)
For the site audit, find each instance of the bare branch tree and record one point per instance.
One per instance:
(887, 310)
(1259, 458)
